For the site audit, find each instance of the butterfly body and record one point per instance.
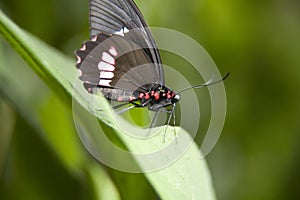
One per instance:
(158, 97)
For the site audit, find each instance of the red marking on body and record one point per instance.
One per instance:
(141, 95)
(120, 99)
(147, 96)
(169, 96)
(131, 98)
(152, 93)
(156, 96)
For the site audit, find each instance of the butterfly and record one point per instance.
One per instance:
(122, 60)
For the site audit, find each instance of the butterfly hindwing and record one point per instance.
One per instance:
(111, 61)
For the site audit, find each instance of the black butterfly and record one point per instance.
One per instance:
(122, 60)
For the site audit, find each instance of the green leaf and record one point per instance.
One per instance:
(52, 120)
(6, 130)
(186, 178)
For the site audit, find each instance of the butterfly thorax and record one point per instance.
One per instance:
(157, 97)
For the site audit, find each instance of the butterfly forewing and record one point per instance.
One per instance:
(124, 18)
(111, 16)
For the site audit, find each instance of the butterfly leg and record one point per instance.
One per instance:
(153, 121)
(125, 109)
(143, 103)
(171, 114)
(120, 105)
(134, 105)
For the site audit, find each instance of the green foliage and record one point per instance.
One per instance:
(257, 154)
(75, 174)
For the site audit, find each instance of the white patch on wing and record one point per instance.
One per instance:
(125, 30)
(112, 50)
(78, 59)
(83, 48)
(94, 39)
(79, 73)
(107, 75)
(108, 58)
(122, 31)
(104, 82)
(103, 66)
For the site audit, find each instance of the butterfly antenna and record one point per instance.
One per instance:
(208, 83)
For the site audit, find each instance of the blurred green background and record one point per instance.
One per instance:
(257, 154)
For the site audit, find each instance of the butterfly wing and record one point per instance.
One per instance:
(120, 17)
(115, 66)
